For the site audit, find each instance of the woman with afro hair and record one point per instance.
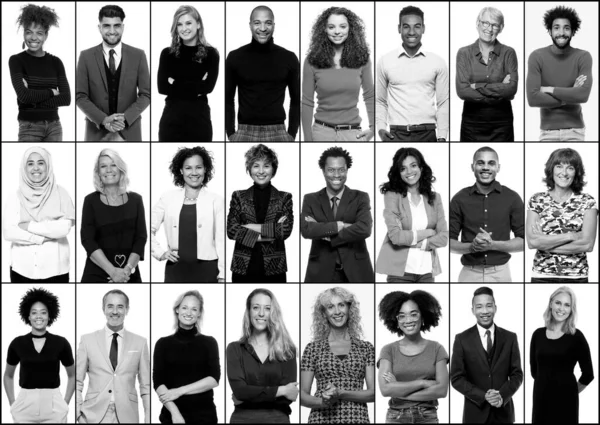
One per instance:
(413, 371)
(336, 67)
(39, 78)
(40, 354)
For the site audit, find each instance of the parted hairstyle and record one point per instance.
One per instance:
(411, 10)
(32, 14)
(121, 165)
(335, 152)
(176, 41)
(397, 185)
(320, 327)
(484, 290)
(115, 291)
(569, 325)
(565, 156)
(179, 300)
(562, 12)
(263, 153)
(390, 306)
(321, 50)
(281, 346)
(184, 153)
(494, 13)
(111, 11)
(43, 296)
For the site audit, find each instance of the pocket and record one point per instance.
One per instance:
(89, 397)
(133, 398)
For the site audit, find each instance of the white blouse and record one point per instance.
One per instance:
(419, 260)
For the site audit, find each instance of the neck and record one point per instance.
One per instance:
(557, 327)
(338, 334)
(192, 192)
(561, 191)
(38, 332)
(335, 192)
(114, 328)
(485, 189)
(488, 45)
(486, 327)
(558, 50)
(112, 191)
(413, 189)
(338, 48)
(260, 337)
(39, 53)
(412, 50)
(186, 327)
(192, 42)
(416, 338)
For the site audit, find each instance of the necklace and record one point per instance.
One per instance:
(258, 343)
(185, 198)
(120, 259)
(39, 336)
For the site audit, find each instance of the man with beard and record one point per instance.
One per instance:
(484, 215)
(113, 83)
(559, 79)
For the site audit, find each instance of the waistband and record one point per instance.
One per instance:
(413, 128)
(339, 126)
(411, 409)
(254, 127)
(40, 121)
(483, 268)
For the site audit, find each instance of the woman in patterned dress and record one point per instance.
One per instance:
(339, 360)
(562, 222)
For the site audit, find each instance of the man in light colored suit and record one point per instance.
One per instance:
(113, 83)
(112, 357)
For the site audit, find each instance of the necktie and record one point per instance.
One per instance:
(111, 62)
(489, 342)
(334, 200)
(114, 349)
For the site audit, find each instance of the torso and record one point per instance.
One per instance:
(38, 344)
(262, 351)
(340, 347)
(114, 202)
(411, 349)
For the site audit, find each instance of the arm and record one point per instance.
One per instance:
(532, 358)
(577, 95)
(70, 383)
(536, 239)
(435, 391)
(176, 416)
(517, 244)
(141, 234)
(82, 96)
(157, 217)
(80, 371)
(10, 224)
(397, 389)
(134, 110)
(64, 91)
(164, 72)
(391, 215)
(459, 378)
(442, 96)
(214, 367)
(440, 239)
(361, 228)
(456, 221)
(158, 374)
(230, 88)
(381, 97)
(144, 380)
(219, 222)
(584, 358)
(191, 89)
(237, 380)
(235, 229)
(463, 80)
(535, 97)
(362, 396)
(9, 382)
(280, 229)
(306, 399)
(308, 100)
(311, 229)
(515, 376)
(24, 94)
(512, 245)
(54, 229)
(501, 90)
(293, 83)
(586, 238)
(368, 89)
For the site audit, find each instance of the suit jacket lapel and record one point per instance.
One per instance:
(405, 208)
(101, 341)
(499, 341)
(124, 67)
(326, 205)
(248, 204)
(476, 341)
(273, 207)
(347, 196)
(99, 54)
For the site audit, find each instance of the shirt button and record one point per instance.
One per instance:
(485, 225)
(486, 196)
(485, 210)
(115, 374)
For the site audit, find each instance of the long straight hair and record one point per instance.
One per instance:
(176, 42)
(569, 325)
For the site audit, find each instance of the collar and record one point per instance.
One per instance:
(560, 52)
(476, 51)
(409, 197)
(186, 333)
(108, 333)
(262, 47)
(331, 195)
(496, 186)
(402, 51)
(481, 330)
(118, 49)
(262, 188)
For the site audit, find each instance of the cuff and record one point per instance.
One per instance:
(424, 244)
(415, 238)
(250, 237)
(267, 230)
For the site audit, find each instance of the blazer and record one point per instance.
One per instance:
(92, 358)
(92, 91)
(472, 375)
(354, 208)
(210, 232)
(398, 219)
(242, 211)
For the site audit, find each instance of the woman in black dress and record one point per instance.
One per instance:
(555, 350)
(187, 72)
(186, 366)
(113, 224)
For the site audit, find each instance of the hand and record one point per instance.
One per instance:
(205, 77)
(472, 86)
(119, 275)
(548, 90)
(114, 122)
(235, 400)
(176, 418)
(55, 91)
(493, 397)
(506, 79)
(331, 394)
(580, 80)
(367, 134)
(282, 219)
(310, 219)
(170, 395)
(172, 256)
(290, 391)
(24, 225)
(220, 280)
(385, 136)
(128, 269)
(25, 83)
(326, 238)
(485, 235)
(170, 80)
(389, 377)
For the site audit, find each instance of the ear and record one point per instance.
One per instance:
(498, 168)
(472, 168)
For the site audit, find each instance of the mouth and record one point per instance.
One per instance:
(411, 177)
(561, 314)
(33, 43)
(38, 322)
(412, 39)
(485, 175)
(194, 178)
(338, 319)
(188, 317)
(410, 326)
(485, 318)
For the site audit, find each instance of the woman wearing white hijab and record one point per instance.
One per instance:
(37, 219)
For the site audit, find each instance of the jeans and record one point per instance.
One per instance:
(40, 131)
(320, 133)
(558, 280)
(563, 135)
(412, 415)
(412, 277)
(500, 273)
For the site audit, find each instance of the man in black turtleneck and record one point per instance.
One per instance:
(262, 71)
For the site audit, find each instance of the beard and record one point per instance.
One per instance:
(108, 43)
(567, 44)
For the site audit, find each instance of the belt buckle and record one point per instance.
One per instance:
(408, 127)
(343, 127)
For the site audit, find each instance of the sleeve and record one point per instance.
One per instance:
(191, 89)
(309, 86)
(312, 230)
(66, 354)
(80, 371)
(10, 224)
(219, 220)
(515, 375)
(501, 90)
(64, 91)
(235, 230)
(281, 230)
(535, 97)
(590, 203)
(386, 354)
(517, 217)
(52, 229)
(458, 375)
(144, 378)
(289, 371)
(440, 239)
(533, 354)
(456, 217)
(162, 77)
(370, 354)
(368, 92)
(576, 95)
(532, 204)
(381, 97)
(463, 79)
(88, 226)
(12, 357)
(442, 95)
(391, 215)
(293, 84)
(362, 226)
(230, 88)
(141, 233)
(584, 358)
(157, 217)
(133, 111)
(24, 94)
(214, 363)
(441, 353)
(82, 95)
(158, 364)
(307, 362)
(237, 379)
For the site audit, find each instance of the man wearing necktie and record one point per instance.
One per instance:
(112, 358)
(486, 365)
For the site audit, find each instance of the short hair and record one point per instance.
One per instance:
(262, 7)
(335, 152)
(121, 165)
(570, 324)
(391, 303)
(111, 11)
(179, 300)
(43, 296)
(485, 149)
(565, 156)
(484, 290)
(264, 153)
(320, 327)
(118, 292)
(494, 13)
(562, 12)
(411, 10)
(40, 15)
(176, 41)
(184, 153)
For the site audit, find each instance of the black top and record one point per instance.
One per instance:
(188, 241)
(113, 87)
(262, 72)
(254, 383)
(261, 197)
(39, 370)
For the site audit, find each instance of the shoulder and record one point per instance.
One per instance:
(358, 193)
(538, 54)
(19, 340)
(282, 194)
(211, 51)
(539, 332)
(234, 54)
(464, 334)
(582, 54)
(16, 58)
(461, 194)
(90, 51)
(584, 199)
(137, 339)
(287, 53)
(538, 196)
(464, 51)
(62, 191)
(130, 49)
(92, 197)
(579, 336)
(436, 59)
(507, 333)
(390, 348)
(507, 191)
(166, 53)
(234, 347)
(365, 345)
(134, 196)
(207, 340)
(312, 197)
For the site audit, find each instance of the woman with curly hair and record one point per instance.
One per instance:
(336, 67)
(40, 354)
(261, 366)
(413, 371)
(340, 361)
(39, 78)
(193, 219)
(187, 73)
(415, 220)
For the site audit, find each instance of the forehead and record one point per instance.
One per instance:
(335, 299)
(411, 20)
(262, 15)
(38, 305)
(485, 156)
(487, 16)
(35, 157)
(483, 299)
(409, 160)
(190, 301)
(193, 160)
(561, 22)
(35, 27)
(337, 19)
(104, 159)
(110, 21)
(185, 18)
(335, 161)
(409, 306)
(563, 297)
(261, 161)
(116, 299)
(260, 299)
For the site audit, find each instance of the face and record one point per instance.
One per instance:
(335, 172)
(337, 312)
(34, 38)
(188, 312)
(108, 171)
(193, 171)
(111, 30)
(410, 172)
(261, 172)
(337, 29)
(187, 28)
(409, 318)
(36, 168)
(262, 26)
(564, 175)
(484, 310)
(490, 33)
(260, 312)
(38, 316)
(115, 310)
(561, 33)
(561, 307)
(485, 167)
(411, 29)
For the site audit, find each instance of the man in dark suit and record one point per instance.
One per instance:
(113, 83)
(486, 365)
(338, 220)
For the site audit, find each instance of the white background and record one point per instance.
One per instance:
(136, 31)
(436, 157)
(510, 175)
(536, 37)
(311, 11)
(13, 326)
(60, 43)
(162, 182)
(285, 35)
(359, 177)
(63, 155)
(288, 298)
(213, 324)
(463, 16)
(286, 179)
(363, 293)
(213, 18)
(509, 316)
(435, 38)
(537, 155)
(136, 156)
(538, 297)
(439, 334)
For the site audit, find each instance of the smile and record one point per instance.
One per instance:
(410, 327)
(485, 174)
(411, 177)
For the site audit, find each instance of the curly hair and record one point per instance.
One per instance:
(320, 325)
(395, 182)
(176, 41)
(321, 50)
(43, 296)
(562, 12)
(263, 153)
(41, 15)
(335, 152)
(185, 153)
(390, 306)
(565, 156)
(411, 10)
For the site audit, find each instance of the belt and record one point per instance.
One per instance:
(484, 267)
(413, 128)
(339, 127)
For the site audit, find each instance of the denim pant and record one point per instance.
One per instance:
(412, 277)
(563, 135)
(412, 415)
(40, 131)
(499, 273)
(320, 133)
